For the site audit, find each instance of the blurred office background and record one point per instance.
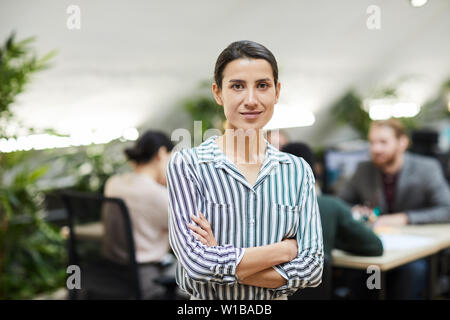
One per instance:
(137, 65)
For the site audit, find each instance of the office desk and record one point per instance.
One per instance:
(438, 238)
(439, 235)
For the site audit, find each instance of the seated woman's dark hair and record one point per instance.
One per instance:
(300, 149)
(243, 49)
(147, 146)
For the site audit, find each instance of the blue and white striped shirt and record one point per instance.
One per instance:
(281, 204)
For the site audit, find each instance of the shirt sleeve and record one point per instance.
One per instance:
(438, 192)
(306, 269)
(202, 263)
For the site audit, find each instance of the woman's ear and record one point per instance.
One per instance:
(217, 92)
(161, 152)
(277, 92)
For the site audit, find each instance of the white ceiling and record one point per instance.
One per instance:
(132, 61)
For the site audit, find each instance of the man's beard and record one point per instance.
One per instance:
(387, 163)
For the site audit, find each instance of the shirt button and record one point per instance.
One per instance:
(252, 221)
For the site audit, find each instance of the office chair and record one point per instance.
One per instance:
(101, 278)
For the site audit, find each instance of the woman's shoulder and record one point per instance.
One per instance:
(192, 156)
(183, 156)
(116, 178)
(117, 181)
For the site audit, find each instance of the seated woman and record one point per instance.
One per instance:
(145, 195)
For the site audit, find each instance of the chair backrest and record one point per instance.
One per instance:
(117, 245)
(321, 292)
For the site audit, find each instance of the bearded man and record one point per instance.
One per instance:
(403, 189)
(406, 188)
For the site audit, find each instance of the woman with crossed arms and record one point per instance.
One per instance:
(243, 216)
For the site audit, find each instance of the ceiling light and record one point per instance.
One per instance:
(290, 116)
(418, 3)
(382, 109)
(79, 138)
(130, 134)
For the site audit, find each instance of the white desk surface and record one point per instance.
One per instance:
(425, 240)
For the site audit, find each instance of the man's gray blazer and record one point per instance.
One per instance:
(421, 191)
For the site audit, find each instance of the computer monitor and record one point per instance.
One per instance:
(340, 166)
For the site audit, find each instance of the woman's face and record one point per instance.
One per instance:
(248, 93)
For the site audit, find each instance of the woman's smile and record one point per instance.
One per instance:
(250, 115)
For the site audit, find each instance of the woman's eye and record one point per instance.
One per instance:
(237, 86)
(263, 85)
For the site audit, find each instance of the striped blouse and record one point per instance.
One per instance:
(281, 204)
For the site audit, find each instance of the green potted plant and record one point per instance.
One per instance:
(32, 254)
(201, 106)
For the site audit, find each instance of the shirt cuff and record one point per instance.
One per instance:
(285, 288)
(226, 272)
(239, 255)
(415, 217)
(281, 271)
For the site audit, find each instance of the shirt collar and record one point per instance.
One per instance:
(209, 151)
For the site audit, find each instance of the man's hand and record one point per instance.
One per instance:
(203, 231)
(392, 220)
(364, 211)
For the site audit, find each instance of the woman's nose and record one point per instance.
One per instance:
(250, 98)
